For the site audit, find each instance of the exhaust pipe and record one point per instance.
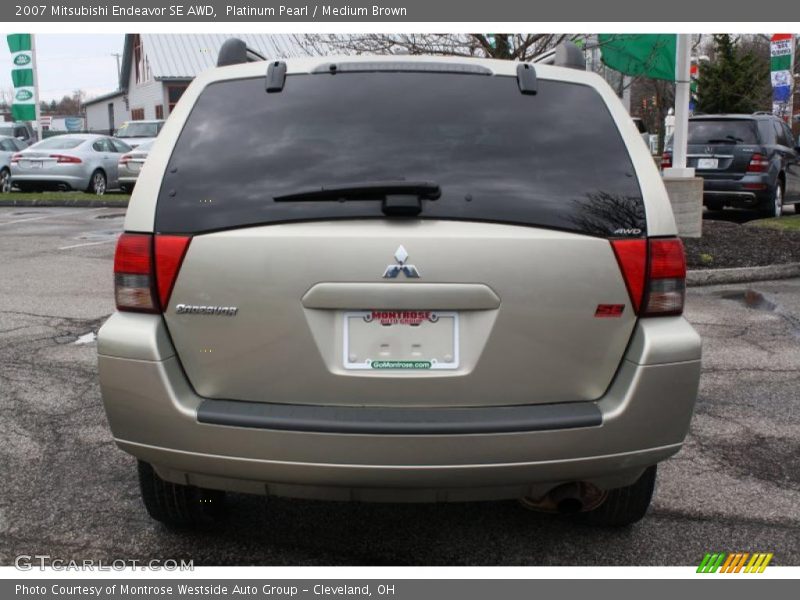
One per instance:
(567, 499)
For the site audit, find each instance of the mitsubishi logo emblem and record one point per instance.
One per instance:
(392, 271)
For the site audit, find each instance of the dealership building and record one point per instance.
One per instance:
(157, 68)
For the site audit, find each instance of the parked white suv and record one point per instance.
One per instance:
(399, 279)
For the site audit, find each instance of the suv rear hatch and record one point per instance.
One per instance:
(494, 284)
(722, 148)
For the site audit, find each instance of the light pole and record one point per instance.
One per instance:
(679, 170)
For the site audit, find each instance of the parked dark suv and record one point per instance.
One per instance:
(746, 161)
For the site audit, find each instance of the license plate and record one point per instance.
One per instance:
(707, 163)
(134, 166)
(400, 340)
(34, 164)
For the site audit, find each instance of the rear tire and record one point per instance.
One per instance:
(5, 181)
(627, 505)
(775, 208)
(97, 183)
(179, 506)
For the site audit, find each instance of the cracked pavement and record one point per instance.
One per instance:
(70, 493)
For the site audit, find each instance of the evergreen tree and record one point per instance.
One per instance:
(733, 81)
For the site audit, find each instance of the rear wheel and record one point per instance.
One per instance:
(97, 183)
(775, 208)
(5, 181)
(627, 505)
(176, 505)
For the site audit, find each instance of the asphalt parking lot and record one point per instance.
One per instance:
(69, 493)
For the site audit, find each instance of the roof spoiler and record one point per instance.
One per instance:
(234, 52)
(566, 54)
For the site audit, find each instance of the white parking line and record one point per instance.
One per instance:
(47, 216)
(88, 244)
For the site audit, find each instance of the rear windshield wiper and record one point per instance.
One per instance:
(400, 198)
(728, 139)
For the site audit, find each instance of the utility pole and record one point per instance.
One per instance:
(117, 55)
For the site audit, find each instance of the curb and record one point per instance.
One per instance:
(76, 202)
(741, 275)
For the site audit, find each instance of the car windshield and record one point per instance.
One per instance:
(58, 143)
(554, 159)
(138, 130)
(723, 131)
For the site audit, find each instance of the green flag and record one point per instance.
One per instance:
(24, 105)
(642, 54)
(19, 42)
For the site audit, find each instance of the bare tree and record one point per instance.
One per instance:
(517, 46)
(6, 97)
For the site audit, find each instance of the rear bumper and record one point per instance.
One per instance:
(740, 192)
(153, 413)
(74, 181)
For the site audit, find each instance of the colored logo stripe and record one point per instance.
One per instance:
(711, 562)
(734, 562)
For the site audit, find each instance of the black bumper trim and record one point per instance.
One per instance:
(399, 421)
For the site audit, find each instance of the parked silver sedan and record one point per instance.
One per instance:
(130, 164)
(69, 162)
(9, 146)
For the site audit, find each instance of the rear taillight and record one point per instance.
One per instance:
(65, 158)
(16, 158)
(170, 250)
(124, 159)
(655, 274)
(632, 258)
(666, 160)
(758, 164)
(145, 270)
(666, 278)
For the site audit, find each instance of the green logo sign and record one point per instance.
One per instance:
(23, 95)
(22, 59)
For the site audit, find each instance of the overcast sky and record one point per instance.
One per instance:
(70, 62)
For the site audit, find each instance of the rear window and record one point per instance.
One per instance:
(723, 131)
(555, 159)
(58, 143)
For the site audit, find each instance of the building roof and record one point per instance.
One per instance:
(183, 56)
(103, 97)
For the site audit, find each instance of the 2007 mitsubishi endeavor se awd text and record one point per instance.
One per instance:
(399, 279)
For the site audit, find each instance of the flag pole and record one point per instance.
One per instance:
(38, 108)
(682, 97)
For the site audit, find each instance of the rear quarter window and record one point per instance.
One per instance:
(555, 159)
